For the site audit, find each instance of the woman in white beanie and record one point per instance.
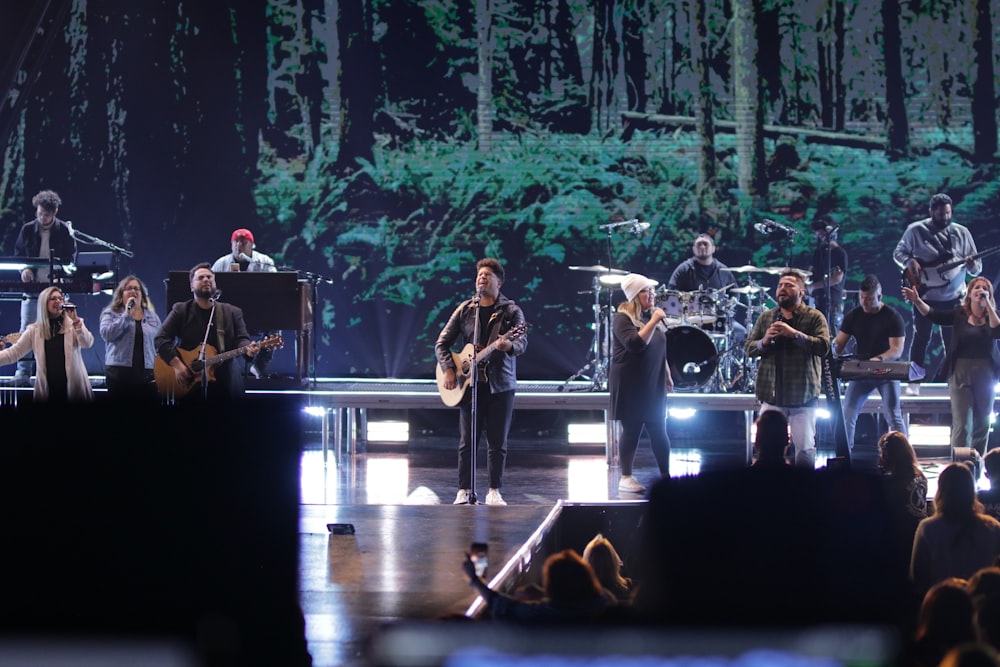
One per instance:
(640, 377)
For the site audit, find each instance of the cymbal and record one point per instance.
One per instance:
(611, 279)
(747, 268)
(597, 268)
(749, 289)
(778, 270)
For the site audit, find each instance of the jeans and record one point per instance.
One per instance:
(858, 392)
(922, 332)
(802, 427)
(29, 313)
(971, 387)
(494, 411)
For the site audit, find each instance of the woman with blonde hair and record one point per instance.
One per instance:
(640, 377)
(600, 554)
(56, 337)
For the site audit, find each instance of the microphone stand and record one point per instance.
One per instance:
(93, 240)
(314, 281)
(474, 406)
(202, 356)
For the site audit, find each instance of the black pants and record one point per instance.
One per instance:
(494, 412)
(131, 384)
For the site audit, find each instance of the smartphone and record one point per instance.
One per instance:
(478, 552)
(340, 528)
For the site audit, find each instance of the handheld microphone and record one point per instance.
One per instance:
(130, 304)
(66, 305)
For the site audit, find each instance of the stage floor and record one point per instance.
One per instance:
(403, 562)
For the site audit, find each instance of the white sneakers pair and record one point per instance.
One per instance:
(630, 484)
(912, 389)
(493, 497)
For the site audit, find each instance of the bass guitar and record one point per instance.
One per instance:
(166, 379)
(918, 280)
(466, 362)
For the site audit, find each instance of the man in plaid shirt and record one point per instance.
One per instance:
(791, 341)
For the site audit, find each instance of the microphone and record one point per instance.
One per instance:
(66, 305)
(69, 226)
(216, 295)
(479, 294)
(243, 257)
(768, 226)
(130, 304)
(638, 227)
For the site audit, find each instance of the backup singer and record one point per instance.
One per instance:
(495, 399)
(57, 337)
(879, 332)
(971, 359)
(927, 244)
(640, 378)
(128, 327)
(791, 341)
(186, 326)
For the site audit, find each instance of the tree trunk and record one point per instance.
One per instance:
(634, 22)
(605, 65)
(748, 108)
(897, 127)
(358, 87)
(984, 120)
(484, 89)
(704, 107)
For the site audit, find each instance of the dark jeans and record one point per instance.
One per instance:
(131, 384)
(922, 328)
(494, 412)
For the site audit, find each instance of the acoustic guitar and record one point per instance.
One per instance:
(166, 379)
(919, 280)
(9, 339)
(465, 363)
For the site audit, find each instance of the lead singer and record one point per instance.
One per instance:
(791, 340)
(971, 359)
(495, 397)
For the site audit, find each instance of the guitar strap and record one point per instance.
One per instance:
(940, 241)
(220, 330)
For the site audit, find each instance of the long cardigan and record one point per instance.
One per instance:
(78, 384)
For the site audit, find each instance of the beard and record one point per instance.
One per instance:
(788, 302)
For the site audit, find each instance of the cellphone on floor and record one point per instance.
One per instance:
(340, 528)
(478, 552)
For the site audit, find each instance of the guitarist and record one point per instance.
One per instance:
(497, 382)
(185, 328)
(924, 245)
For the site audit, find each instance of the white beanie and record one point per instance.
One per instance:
(634, 283)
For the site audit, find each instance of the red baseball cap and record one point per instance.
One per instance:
(245, 233)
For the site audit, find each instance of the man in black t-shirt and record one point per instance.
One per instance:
(879, 333)
(990, 498)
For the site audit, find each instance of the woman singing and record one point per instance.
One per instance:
(640, 378)
(971, 359)
(56, 338)
(128, 326)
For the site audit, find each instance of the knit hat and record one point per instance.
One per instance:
(245, 233)
(634, 283)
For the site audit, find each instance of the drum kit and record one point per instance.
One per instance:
(704, 339)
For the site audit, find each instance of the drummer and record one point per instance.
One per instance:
(704, 272)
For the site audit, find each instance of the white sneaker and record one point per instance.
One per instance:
(912, 389)
(630, 484)
(462, 498)
(493, 497)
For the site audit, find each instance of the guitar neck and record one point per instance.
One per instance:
(226, 356)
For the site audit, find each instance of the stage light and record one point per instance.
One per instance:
(924, 435)
(822, 413)
(388, 431)
(595, 433)
(314, 410)
(682, 413)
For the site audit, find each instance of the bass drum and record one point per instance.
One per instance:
(692, 358)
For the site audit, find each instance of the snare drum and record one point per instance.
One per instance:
(672, 303)
(692, 357)
(687, 307)
(701, 307)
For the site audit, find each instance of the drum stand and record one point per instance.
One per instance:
(598, 359)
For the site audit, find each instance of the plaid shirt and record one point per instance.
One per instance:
(800, 360)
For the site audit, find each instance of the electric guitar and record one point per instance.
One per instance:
(166, 379)
(466, 362)
(918, 279)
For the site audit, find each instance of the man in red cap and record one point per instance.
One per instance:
(245, 258)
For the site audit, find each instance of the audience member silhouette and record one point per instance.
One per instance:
(905, 488)
(771, 440)
(944, 621)
(985, 583)
(603, 559)
(971, 655)
(958, 540)
(572, 593)
(987, 620)
(990, 498)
